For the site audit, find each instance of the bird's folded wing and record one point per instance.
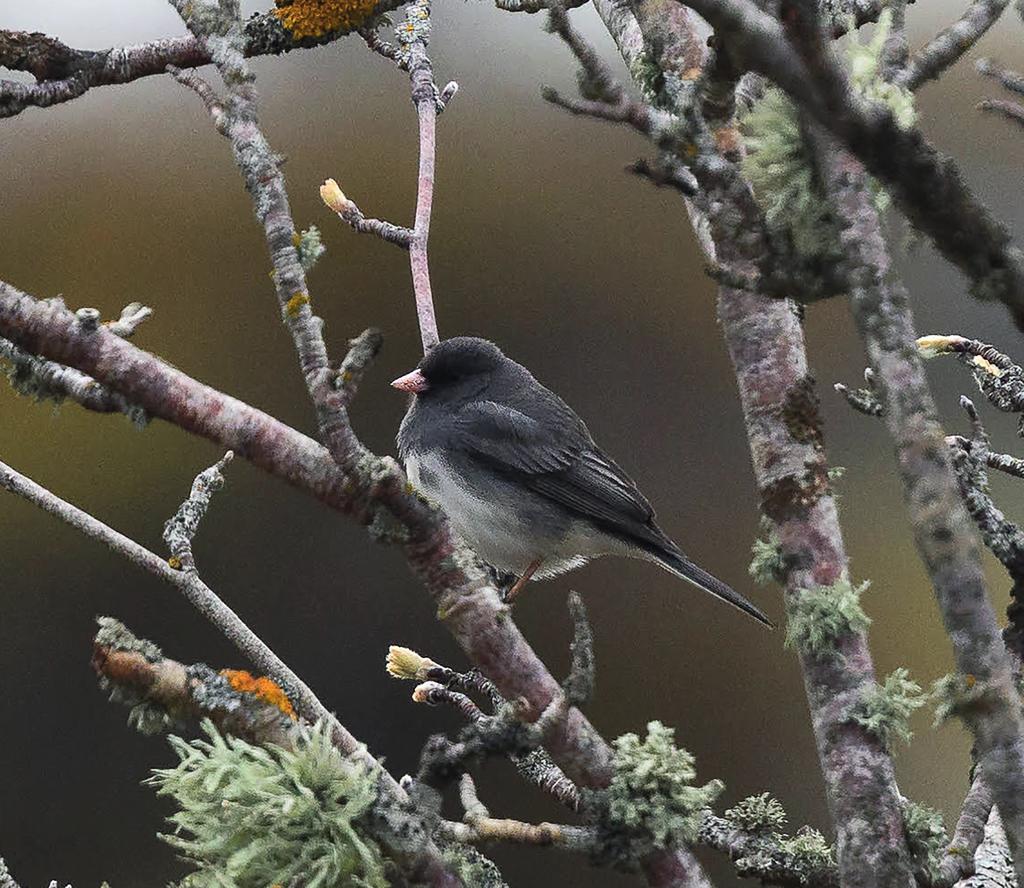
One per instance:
(557, 458)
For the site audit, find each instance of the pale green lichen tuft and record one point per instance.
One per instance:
(809, 849)
(252, 816)
(885, 709)
(647, 74)
(955, 694)
(926, 837)
(782, 174)
(309, 247)
(758, 814)
(780, 166)
(865, 63)
(767, 564)
(821, 615)
(475, 870)
(651, 802)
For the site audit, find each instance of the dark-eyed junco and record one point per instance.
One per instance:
(519, 476)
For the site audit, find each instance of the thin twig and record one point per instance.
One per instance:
(951, 43)
(1010, 110)
(198, 594)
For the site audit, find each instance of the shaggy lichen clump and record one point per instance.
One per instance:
(252, 816)
(926, 837)
(651, 802)
(758, 814)
(475, 870)
(313, 18)
(820, 616)
(767, 564)
(885, 709)
(780, 165)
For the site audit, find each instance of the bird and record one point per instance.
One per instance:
(519, 475)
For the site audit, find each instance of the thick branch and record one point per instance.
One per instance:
(942, 526)
(780, 407)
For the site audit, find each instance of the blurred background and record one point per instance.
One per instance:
(540, 241)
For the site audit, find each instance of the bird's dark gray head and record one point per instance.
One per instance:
(454, 365)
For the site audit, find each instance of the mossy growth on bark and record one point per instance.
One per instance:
(885, 709)
(926, 837)
(817, 618)
(252, 816)
(652, 802)
(758, 814)
(780, 164)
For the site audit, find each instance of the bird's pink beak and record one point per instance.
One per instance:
(411, 382)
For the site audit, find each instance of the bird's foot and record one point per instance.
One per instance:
(513, 591)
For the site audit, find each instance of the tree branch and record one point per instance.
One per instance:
(418, 863)
(64, 73)
(926, 186)
(950, 44)
(942, 526)
(780, 407)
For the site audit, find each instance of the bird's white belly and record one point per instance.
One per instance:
(497, 531)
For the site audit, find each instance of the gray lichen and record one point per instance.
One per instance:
(926, 837)
(475, 870)
(821, 615)
(809, 849)
(143, 716)
(251, 816)
(767, 564)
(885, 709)
(309, 247)
(758, 814)
(651, 802)
(955, 694)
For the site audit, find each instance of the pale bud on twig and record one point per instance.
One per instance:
(423, 691)
(333, 196)
(405, 663)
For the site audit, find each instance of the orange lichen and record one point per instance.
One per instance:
(294, 305)
(311, 18)
(174, 562)
(262, 688)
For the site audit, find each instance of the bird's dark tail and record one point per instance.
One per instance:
(677, 563)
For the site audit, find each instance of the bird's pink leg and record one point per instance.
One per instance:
(523, 580)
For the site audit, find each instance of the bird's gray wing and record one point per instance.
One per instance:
(557, 458)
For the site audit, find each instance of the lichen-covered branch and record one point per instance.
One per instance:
(958, 861)
(950, 44)
(64, 73)
(926, 186)
(47, 380)
(163, 693)
(236, 117)
(767, 856)
(942, 526)
(421, 862)
(179, 530)
(1010, 80)
(780, 407)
